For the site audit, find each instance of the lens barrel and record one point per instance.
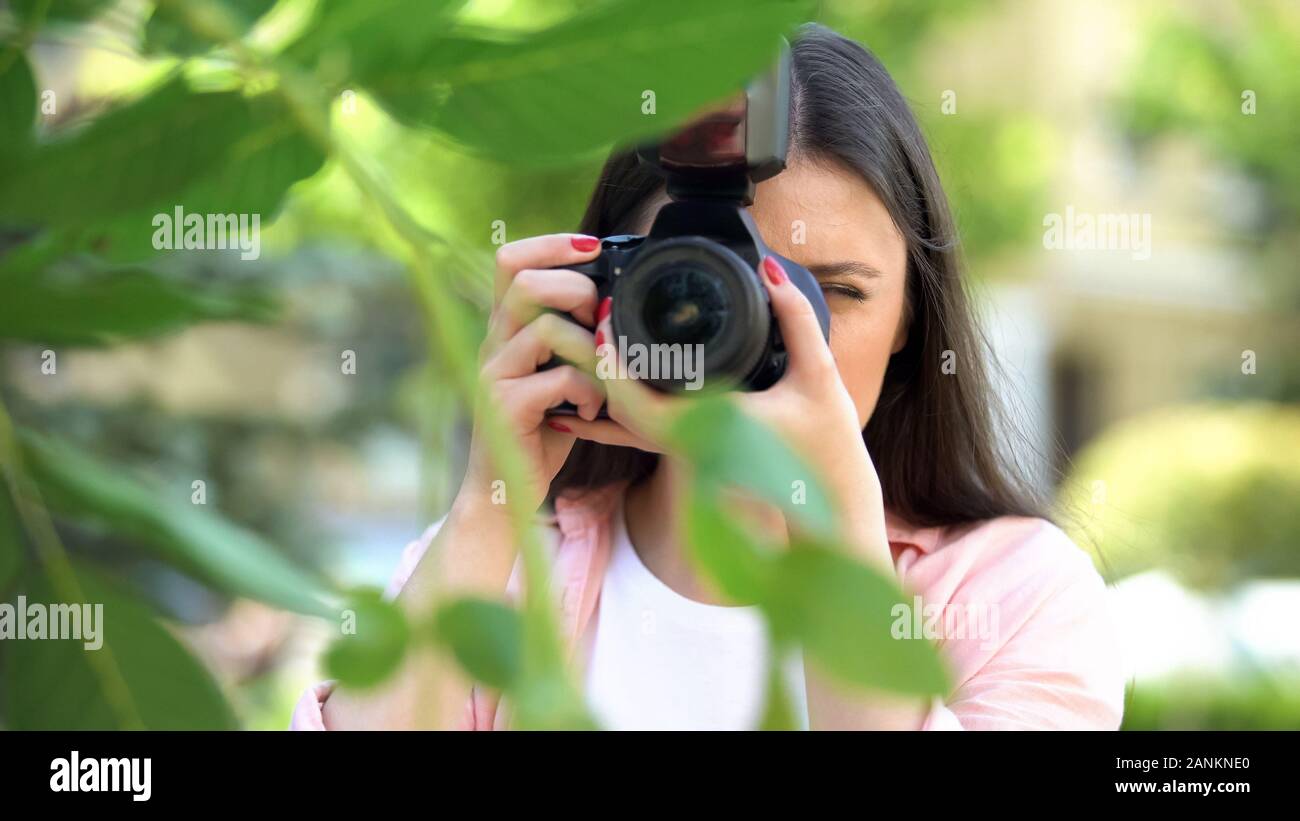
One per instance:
(691, 291)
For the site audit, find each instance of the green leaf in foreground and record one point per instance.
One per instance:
(374, 641)
(167, 31)
(842, 614)
(728, 448)
(70, 11)
(87, 302)
(487, 640)
(61, 685)
(726, 553)
(227, 556)
(364, 34)
(567, 91)
(12, 554)
(549, 702)
(213, 152)
(485, 637)
(778, 712)
(814, 596)
(17, 107)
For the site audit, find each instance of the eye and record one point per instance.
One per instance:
(844, 290)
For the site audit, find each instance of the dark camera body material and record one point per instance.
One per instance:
(695, 280)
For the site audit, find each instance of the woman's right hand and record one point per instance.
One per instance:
(522, 335)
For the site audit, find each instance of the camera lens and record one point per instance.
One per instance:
(692, 301)
(684, 306)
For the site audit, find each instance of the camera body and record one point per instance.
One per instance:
(694, 281)
(689, 296)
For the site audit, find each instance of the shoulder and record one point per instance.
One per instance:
(1035, 545)
(1044, 631)
(1024, 577)
(1009, 557)
(1041, 609)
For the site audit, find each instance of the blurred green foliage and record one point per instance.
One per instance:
(1212, 81)
(141, 678)
(1223, 82)
(1254, 702)
(1206, 492)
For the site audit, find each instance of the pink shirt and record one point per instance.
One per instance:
(1031, 643)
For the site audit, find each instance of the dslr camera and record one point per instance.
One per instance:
(690, 291)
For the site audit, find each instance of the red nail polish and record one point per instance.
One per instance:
(606, 305)
(559, 427)
(585, 244)
(775, 272)
(600, 338)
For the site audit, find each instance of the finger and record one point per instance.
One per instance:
(546, 336)
(640, 409)
(797, 319)
(546, 251)
(536, 289)
(529, 397)
(606, 432)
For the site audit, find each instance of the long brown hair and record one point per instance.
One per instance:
(932, 436)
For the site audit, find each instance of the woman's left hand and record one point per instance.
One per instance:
(809, 407)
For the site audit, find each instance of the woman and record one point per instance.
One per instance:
(908, 450)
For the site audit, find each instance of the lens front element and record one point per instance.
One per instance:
(692, 300)
(684, 305)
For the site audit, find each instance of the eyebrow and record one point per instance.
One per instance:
(846, 268)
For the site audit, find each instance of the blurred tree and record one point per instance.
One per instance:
(1212, 76)
(1206, 492)
(1216, 79)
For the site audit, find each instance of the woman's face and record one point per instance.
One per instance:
(827, 219)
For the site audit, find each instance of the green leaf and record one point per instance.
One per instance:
(167, 32)
(843, 614)
(229, 557)
(778, 712)
(206, 152)
(12, 554)
(153, 680)
(91, 303)
(728, 448)
(70, 11)
(17, 107)
(486, 638)
(549, 702)
(838, 610)
(565, 92)
(361, 34)
(520, 652)
(374, 641)
(725, 552)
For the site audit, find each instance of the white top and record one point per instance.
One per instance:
(661, 661)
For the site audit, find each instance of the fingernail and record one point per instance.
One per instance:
(600, 338)
(775, 272)
(559, 427)
(585, 244)
(606, 305)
